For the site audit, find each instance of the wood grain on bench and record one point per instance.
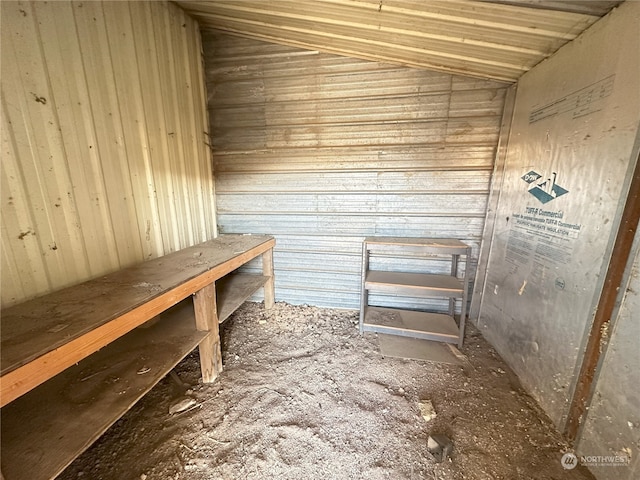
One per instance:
(44, 336)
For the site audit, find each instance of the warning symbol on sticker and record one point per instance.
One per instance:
(545, 190)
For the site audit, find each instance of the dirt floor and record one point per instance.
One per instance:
(304, 396)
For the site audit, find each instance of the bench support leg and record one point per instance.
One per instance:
(204, 303)
(267, 271)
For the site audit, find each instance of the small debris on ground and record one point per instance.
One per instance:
(182, 405)
(439, 446)
(307, 403)
(426, 410)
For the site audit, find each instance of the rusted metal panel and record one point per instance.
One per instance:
(104, 161)
(321, 151)
(482, 39)
(610, 426)
(608, 302)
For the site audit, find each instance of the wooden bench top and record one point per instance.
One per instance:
(41, 337)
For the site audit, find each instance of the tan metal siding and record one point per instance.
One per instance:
(322, 150)
(104, 161)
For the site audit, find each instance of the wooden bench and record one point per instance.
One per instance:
(74, 361)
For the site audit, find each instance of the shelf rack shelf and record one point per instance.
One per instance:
(411, 323)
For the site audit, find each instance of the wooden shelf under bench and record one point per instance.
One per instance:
(74, 361)
(70, 411)
(234, 289)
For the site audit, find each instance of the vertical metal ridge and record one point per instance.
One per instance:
(103, 159)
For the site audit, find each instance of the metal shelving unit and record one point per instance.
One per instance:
(440, 327)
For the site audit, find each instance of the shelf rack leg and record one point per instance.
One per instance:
(269, 287)
(364, 300)
(465, 294)
(454, 273)
(204, 304)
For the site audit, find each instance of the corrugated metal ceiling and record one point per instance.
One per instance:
(468, 37)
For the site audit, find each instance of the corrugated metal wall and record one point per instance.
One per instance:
(104, 161)
(321, 150)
